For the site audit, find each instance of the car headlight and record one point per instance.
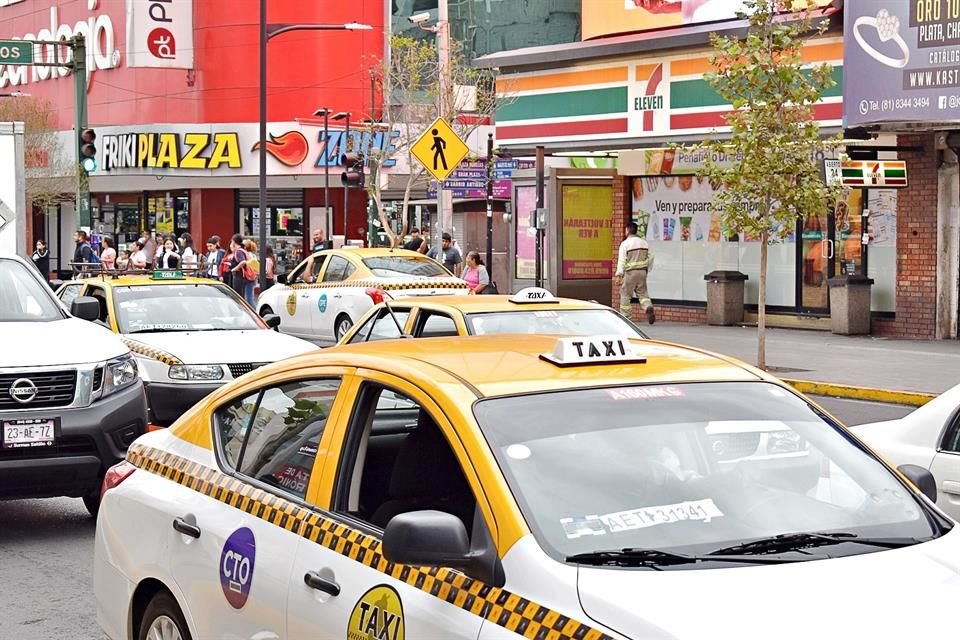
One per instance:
(119, 373)
(196, 372)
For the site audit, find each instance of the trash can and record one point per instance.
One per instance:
(850, 304)
(725, 297)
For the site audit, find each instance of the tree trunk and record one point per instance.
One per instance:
(762, 304)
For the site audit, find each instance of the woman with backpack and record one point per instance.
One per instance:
(244, 277)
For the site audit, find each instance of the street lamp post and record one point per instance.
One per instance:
(346, 143)
(268, 31)
(327, 211)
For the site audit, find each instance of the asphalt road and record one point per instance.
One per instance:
(46, 554)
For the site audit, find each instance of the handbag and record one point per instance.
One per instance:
(490, 289)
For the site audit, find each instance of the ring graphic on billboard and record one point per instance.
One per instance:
(888, 28)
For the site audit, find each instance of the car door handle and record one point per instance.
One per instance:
(187, 529)
(313, 580)
(951, 487)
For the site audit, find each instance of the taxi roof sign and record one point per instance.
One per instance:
(575, 351)
(167, 275)
(532, 295)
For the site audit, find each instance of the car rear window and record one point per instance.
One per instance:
(402, 266)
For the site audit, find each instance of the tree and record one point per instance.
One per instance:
(50, 176)
(766, 171)
(409, 81)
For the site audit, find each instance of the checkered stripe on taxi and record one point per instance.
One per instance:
(499, 606)
(151, 352)
(383, 286)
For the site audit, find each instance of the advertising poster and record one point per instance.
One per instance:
(587, 232)
(882, 222)
(160, 34)
(901, 61)
(526, 235)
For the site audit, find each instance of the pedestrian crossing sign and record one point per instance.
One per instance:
(439, 149)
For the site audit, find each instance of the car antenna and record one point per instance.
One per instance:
(394, 317)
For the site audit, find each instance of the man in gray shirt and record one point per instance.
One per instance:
(448, 255)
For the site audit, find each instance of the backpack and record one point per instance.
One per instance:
(254, 261)
(93, 257)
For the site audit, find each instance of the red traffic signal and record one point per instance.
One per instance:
(88, 150)
(352, 175)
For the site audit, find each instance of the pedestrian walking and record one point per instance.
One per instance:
(41, 258)
(416, 241)
(448, 255)
(138, 256)
(634, 260)
(169, 257)
(244, 278)
(108, 254)
(271, 269)
(84, 253)
(475, 274)
(215, 256)
(188, 256)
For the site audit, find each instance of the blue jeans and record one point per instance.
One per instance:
(248, 293)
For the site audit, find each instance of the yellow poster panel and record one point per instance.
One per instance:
(587, 232)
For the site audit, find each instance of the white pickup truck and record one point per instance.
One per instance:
(70, 397)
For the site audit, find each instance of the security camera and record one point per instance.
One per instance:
(419, 18)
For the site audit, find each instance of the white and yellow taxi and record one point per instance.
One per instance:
(189, 335)
(499, 487)
(325, 295)
(532, 310)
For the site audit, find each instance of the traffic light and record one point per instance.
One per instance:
(88, 150)
(352, 175)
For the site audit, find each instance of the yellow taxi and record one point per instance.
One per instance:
(532, 310)
(189, 335)
(500, 487)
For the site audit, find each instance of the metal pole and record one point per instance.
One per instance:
(346, 189)
(444, 198)
(79, 67)
(328, 212)
(490, 163)
(540, 189)
(263, 137)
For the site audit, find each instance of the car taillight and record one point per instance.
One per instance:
(115, 475)
(377, 295)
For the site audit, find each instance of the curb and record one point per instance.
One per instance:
(888, 396)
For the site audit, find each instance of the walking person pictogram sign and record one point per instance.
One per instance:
(439, 149)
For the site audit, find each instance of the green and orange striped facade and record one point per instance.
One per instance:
(655, 99)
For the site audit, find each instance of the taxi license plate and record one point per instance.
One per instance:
(30, 432)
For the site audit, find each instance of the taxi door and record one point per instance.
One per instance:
(334, 308)
(340, 587)
(298, 304)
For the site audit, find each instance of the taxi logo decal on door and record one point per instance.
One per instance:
(236, 566)
(292, 304)
(378, 615)
(499, 606)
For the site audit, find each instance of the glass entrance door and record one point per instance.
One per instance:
(817, 259)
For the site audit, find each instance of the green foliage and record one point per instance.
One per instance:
(767, 167)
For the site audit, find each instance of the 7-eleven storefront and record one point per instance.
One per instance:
(619, 97)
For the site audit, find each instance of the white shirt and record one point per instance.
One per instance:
(633, 243)
(188, 258)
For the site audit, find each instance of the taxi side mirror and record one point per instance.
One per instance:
(439, 539)
(85, 308)
(921, 478)
(55, 284)
(282, 278)
(272, 320)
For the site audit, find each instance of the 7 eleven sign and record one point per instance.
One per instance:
(874, 174)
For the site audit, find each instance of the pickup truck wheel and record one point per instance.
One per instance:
(163, 620)
(92, 503)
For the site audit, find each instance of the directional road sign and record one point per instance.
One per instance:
(439, 149)
(16, 52)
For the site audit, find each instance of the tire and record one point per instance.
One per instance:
(342, 326)
(92, 503)
(163, 620)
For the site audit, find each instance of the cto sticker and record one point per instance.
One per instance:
(236, 566)
(378, 614)
(292, 304)
(322, 303)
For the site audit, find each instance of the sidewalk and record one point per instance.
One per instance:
(928, 367)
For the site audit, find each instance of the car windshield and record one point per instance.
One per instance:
(180, 307)
(23, 297)
(569, 322)
(690, 468)
(404, 266)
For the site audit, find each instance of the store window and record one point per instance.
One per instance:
(285, 224)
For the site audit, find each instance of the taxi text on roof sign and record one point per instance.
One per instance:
(586, 350)
(439, 149)
(531, 295)
(167, 275)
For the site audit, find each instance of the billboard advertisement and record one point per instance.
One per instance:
(901, 61)
(160, 34)
(609, 17)
(587, 232)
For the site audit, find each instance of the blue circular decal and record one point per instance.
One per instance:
(236, 566)
(322, 303)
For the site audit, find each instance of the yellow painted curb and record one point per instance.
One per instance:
(911, 398)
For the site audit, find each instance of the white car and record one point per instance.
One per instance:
(189, 335)
(326, 294)
(928, 437)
